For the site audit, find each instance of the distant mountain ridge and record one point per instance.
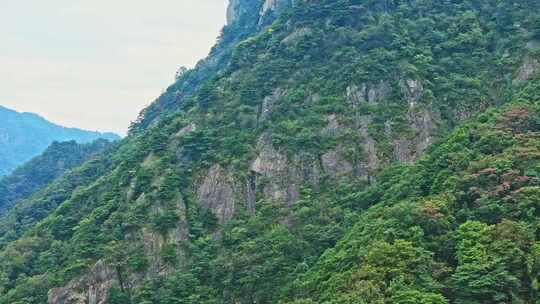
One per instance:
(26, 135)
(37, 173)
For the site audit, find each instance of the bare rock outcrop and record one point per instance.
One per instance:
(239, 9)
(281, 180)
(268, 103)
(216, 193)
(370, 162)
(335, 164)
(422, 124)
(371, 93)
(93, 288)
(333, 128)
(528, 69)
(154, 241)
(412, 90)
(186, 130)
(233, 11)
(275, 6)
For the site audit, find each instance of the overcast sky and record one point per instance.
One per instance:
(94, 64)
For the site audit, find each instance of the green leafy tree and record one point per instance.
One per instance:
(481, 276)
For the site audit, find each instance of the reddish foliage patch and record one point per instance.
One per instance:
(516, 120)
(432, 211)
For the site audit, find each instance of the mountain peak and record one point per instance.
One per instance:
(255, 9)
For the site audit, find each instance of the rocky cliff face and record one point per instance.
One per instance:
(90, 289)
(239, 9)
(216, 194)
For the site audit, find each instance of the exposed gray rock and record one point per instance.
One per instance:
(335, 164)
(90, 289)
(402, 151)
(281, 179)
(152, 242)
(368, 93)
(93, 288)
(65, 295)
(233, 11)
(269, 102)
(274, 5)
(269, 163)
(378, 92)
(239, 9)
(424, 125)
(216, 193)
(251, 193)
(310, 169)
(528, 69)
(181, 233)
(408, 150)
(293, 192)
(333, 128)
(412, 90)
(356, 95)
(370, 162)
(268, 5)
(185, 130)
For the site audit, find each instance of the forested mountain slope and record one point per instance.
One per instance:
(43, 169)
(460, 226)
(26, 135)
(291, 166)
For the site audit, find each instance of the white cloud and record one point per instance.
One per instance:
(96, 64)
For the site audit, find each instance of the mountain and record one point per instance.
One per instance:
(25, 135)
(45, 168)
(326, 151)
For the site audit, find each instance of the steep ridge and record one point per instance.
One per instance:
(244, 17)
(43, 169)
(26, 135)
(239, 186)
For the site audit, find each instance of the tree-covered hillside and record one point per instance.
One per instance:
(26, 135)
(45, 168)
(327, 151)
(460, 226)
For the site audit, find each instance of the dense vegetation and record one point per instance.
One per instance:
(348, 151)
(461, 226)
(45, 168)
(26, 135)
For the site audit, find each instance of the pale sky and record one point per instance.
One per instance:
(94, 64)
